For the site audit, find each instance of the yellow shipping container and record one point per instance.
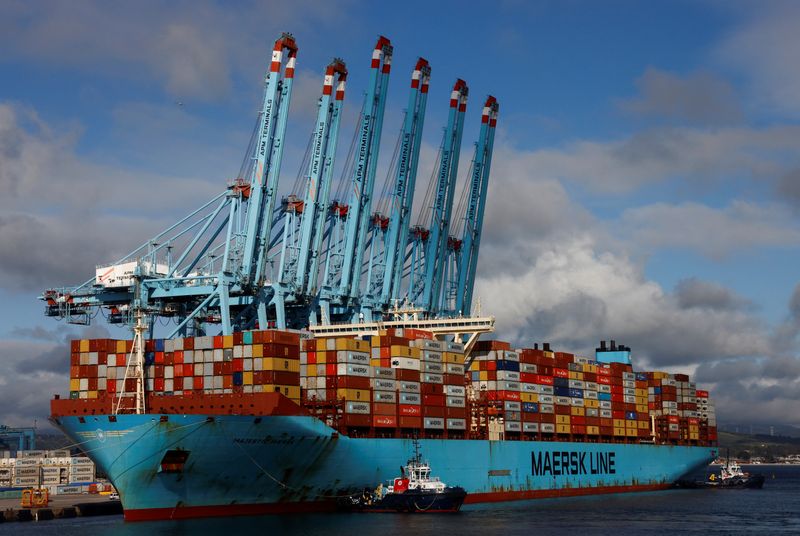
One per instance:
(593, 430)
(400, 351)
(562, 429)
(75, 385)
(227, 341)
(562, 419)
(644, 425)
(289, 391)
(592, 369)
(91, 394)
(355, 345)
(258, 350)
(483, 376)
(121, 347)
(84, 345)
(641, 408)
(640, 392)
(276, 363)
(353, 394)
(619, 432)
(579, 411)
(632, 424)
(416, 353)
(247, 378)
(529, 397)
(549, 355)
(574, 375)
(591, 403)
(453, 357)
(321, 345)
(619, 423)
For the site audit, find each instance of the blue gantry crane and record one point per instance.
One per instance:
(245, 260)
(25, 437)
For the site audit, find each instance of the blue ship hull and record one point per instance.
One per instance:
(237, 465)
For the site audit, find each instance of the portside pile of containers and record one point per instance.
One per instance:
(45, 468)
(246, 362)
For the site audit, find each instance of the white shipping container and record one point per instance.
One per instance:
(530, 427)
(455, 390)
(429, 377)
(455, 402)
(410, 398)
(384, 372)
(513, 426)
(409, 387)
(360, 408)
(547, 428)
(431, 355)
(379, 384)
(405, 363)
(350, 369)
(454, 368)
(456, 424)
(384, 397)
(507, 375)
(347, 356)
(432, 366)
(433, 423)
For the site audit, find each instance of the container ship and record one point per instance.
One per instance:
(270, 421)
(375, 344)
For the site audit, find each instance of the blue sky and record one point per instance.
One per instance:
(645, 185)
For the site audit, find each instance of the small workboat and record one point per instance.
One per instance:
(414, 491)
(731, 477)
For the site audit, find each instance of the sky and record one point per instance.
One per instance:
(645, 184)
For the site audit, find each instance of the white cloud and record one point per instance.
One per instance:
(709, 231)
(764, 47)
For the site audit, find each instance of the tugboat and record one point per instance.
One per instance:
(414, 491)
(732, 476)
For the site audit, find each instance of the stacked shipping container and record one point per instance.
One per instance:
(403, 383)
(40, 468)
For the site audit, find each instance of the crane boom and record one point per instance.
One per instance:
(363, 180)
(405, 181)
(442, 207)
(473, 219)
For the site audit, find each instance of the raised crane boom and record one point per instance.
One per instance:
(364, 172)
(300, 246)
(473, 219)
(405, 182)
(269, 151)
(443, 202)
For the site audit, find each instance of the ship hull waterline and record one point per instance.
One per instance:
(246, 465)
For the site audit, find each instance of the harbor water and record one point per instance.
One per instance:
(774, 509)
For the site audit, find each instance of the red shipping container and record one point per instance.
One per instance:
(562, 410)
(197, 382)
(311, 358)
(606, 430)
(188, 369)
(503, 395)
(409, 422)
(238, 337)
(227, 367)
(93, 384)
(379, 408)
(353, 419)
(280, 377)
(111, 386)
(454, 379)
(169, 358)
(158, 384)
(347, 382)
(457, 413)
(75, 345)
(384, 421)
(409, 410)
(218, 342)
(544, 380)
(122, 360)
(75, 360)
(617, 398)
(407, 375)
(530, 417)
(617, 390)
(433, 411)
(227, 381)
(546, 418)
(702, 394)
(606, 380)
(432, 400)
(560, 373)
(238, 365)
(578, 429)
(75, 372)
(577, 419)
(330, 369)
(177, 357)
(102, 358)
(432, 389)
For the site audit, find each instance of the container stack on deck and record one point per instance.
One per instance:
(403, 383)
(246, 362)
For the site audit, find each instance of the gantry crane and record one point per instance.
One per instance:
(244, 260)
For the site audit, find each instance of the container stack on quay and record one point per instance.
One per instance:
(55, 470)
(404, 383)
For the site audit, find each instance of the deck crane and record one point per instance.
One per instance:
(473, 219)
(382, 291)
(342, 283)
(304, 223)
(424, 292)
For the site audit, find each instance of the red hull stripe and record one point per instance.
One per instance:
(189, 512)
